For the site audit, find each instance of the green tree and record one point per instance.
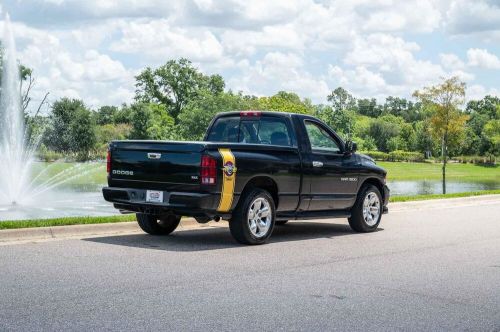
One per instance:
(342, 121)
(123, 115)
(58, 136)
(341, 100)
(82, 130)
(384, 129)
(365, 144)
(106, 115)
(492, 132)
(340, 116)
(71, 128)
(108, 132)
(447, 121)
(423, 138)
(401, 107)
(408, 137)
(174, 85)
(198, 113)
(486, 106)
(369, 107)
(150, 121)
(286, 102)
(480, 113)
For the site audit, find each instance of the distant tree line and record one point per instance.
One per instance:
(176, 102)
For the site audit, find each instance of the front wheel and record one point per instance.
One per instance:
(253, 219)
(367, 211)
(155, 225)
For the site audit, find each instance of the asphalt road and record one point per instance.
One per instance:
(432, 266)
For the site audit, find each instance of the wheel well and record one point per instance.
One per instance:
(377, 183)
(265, 183)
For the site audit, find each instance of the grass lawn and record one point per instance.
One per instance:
(30, 223)
(431, 171)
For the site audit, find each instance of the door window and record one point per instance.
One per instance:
(320, 139)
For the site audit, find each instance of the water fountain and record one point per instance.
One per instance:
(16, 156)
(24, 193)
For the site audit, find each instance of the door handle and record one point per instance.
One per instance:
(317, 164)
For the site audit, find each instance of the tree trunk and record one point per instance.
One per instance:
(444, 156)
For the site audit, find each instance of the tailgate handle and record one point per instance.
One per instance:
(152, 155)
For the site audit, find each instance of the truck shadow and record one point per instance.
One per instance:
(220, 237)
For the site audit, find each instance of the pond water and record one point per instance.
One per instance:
(426, 187)
(61, 203)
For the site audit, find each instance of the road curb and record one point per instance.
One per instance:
(55, 232)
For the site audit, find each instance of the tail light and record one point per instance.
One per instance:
(208, 170)
(108, 162)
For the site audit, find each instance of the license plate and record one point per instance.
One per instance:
(154, 196)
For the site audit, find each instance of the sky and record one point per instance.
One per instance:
(92, 49)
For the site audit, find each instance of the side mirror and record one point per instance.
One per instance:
(350, 146)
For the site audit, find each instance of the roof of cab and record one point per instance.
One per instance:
(288, 114)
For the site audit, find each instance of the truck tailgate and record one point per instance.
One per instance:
(155, 164)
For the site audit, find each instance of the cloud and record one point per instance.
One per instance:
(482, 58)
(52, 13)
(388, 16)
(159, 40)
(63, 69)
(478, 91)
(279, 71)
(451, 61)
(393, 58)
(481, 17)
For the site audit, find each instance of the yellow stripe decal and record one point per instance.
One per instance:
(229, 177)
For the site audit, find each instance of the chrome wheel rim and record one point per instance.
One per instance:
(259, 217)
(371, 209)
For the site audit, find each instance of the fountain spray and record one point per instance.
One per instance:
(16, 156)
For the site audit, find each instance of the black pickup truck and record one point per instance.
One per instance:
(255, 169)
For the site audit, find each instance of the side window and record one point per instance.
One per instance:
(275, 131)
(321, 141)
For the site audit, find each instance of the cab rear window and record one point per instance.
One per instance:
(268, 130)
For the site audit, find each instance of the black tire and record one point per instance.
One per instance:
(239, 224)
(281, 222)
(357, 220)
(155, 225)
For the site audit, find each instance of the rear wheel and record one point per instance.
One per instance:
(367, 211)
(155, 225)
(253, 219)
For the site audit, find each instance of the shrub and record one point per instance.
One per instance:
(377, 155)
(47, 155)
(490, 159)
(400, 155)
(397, 155)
